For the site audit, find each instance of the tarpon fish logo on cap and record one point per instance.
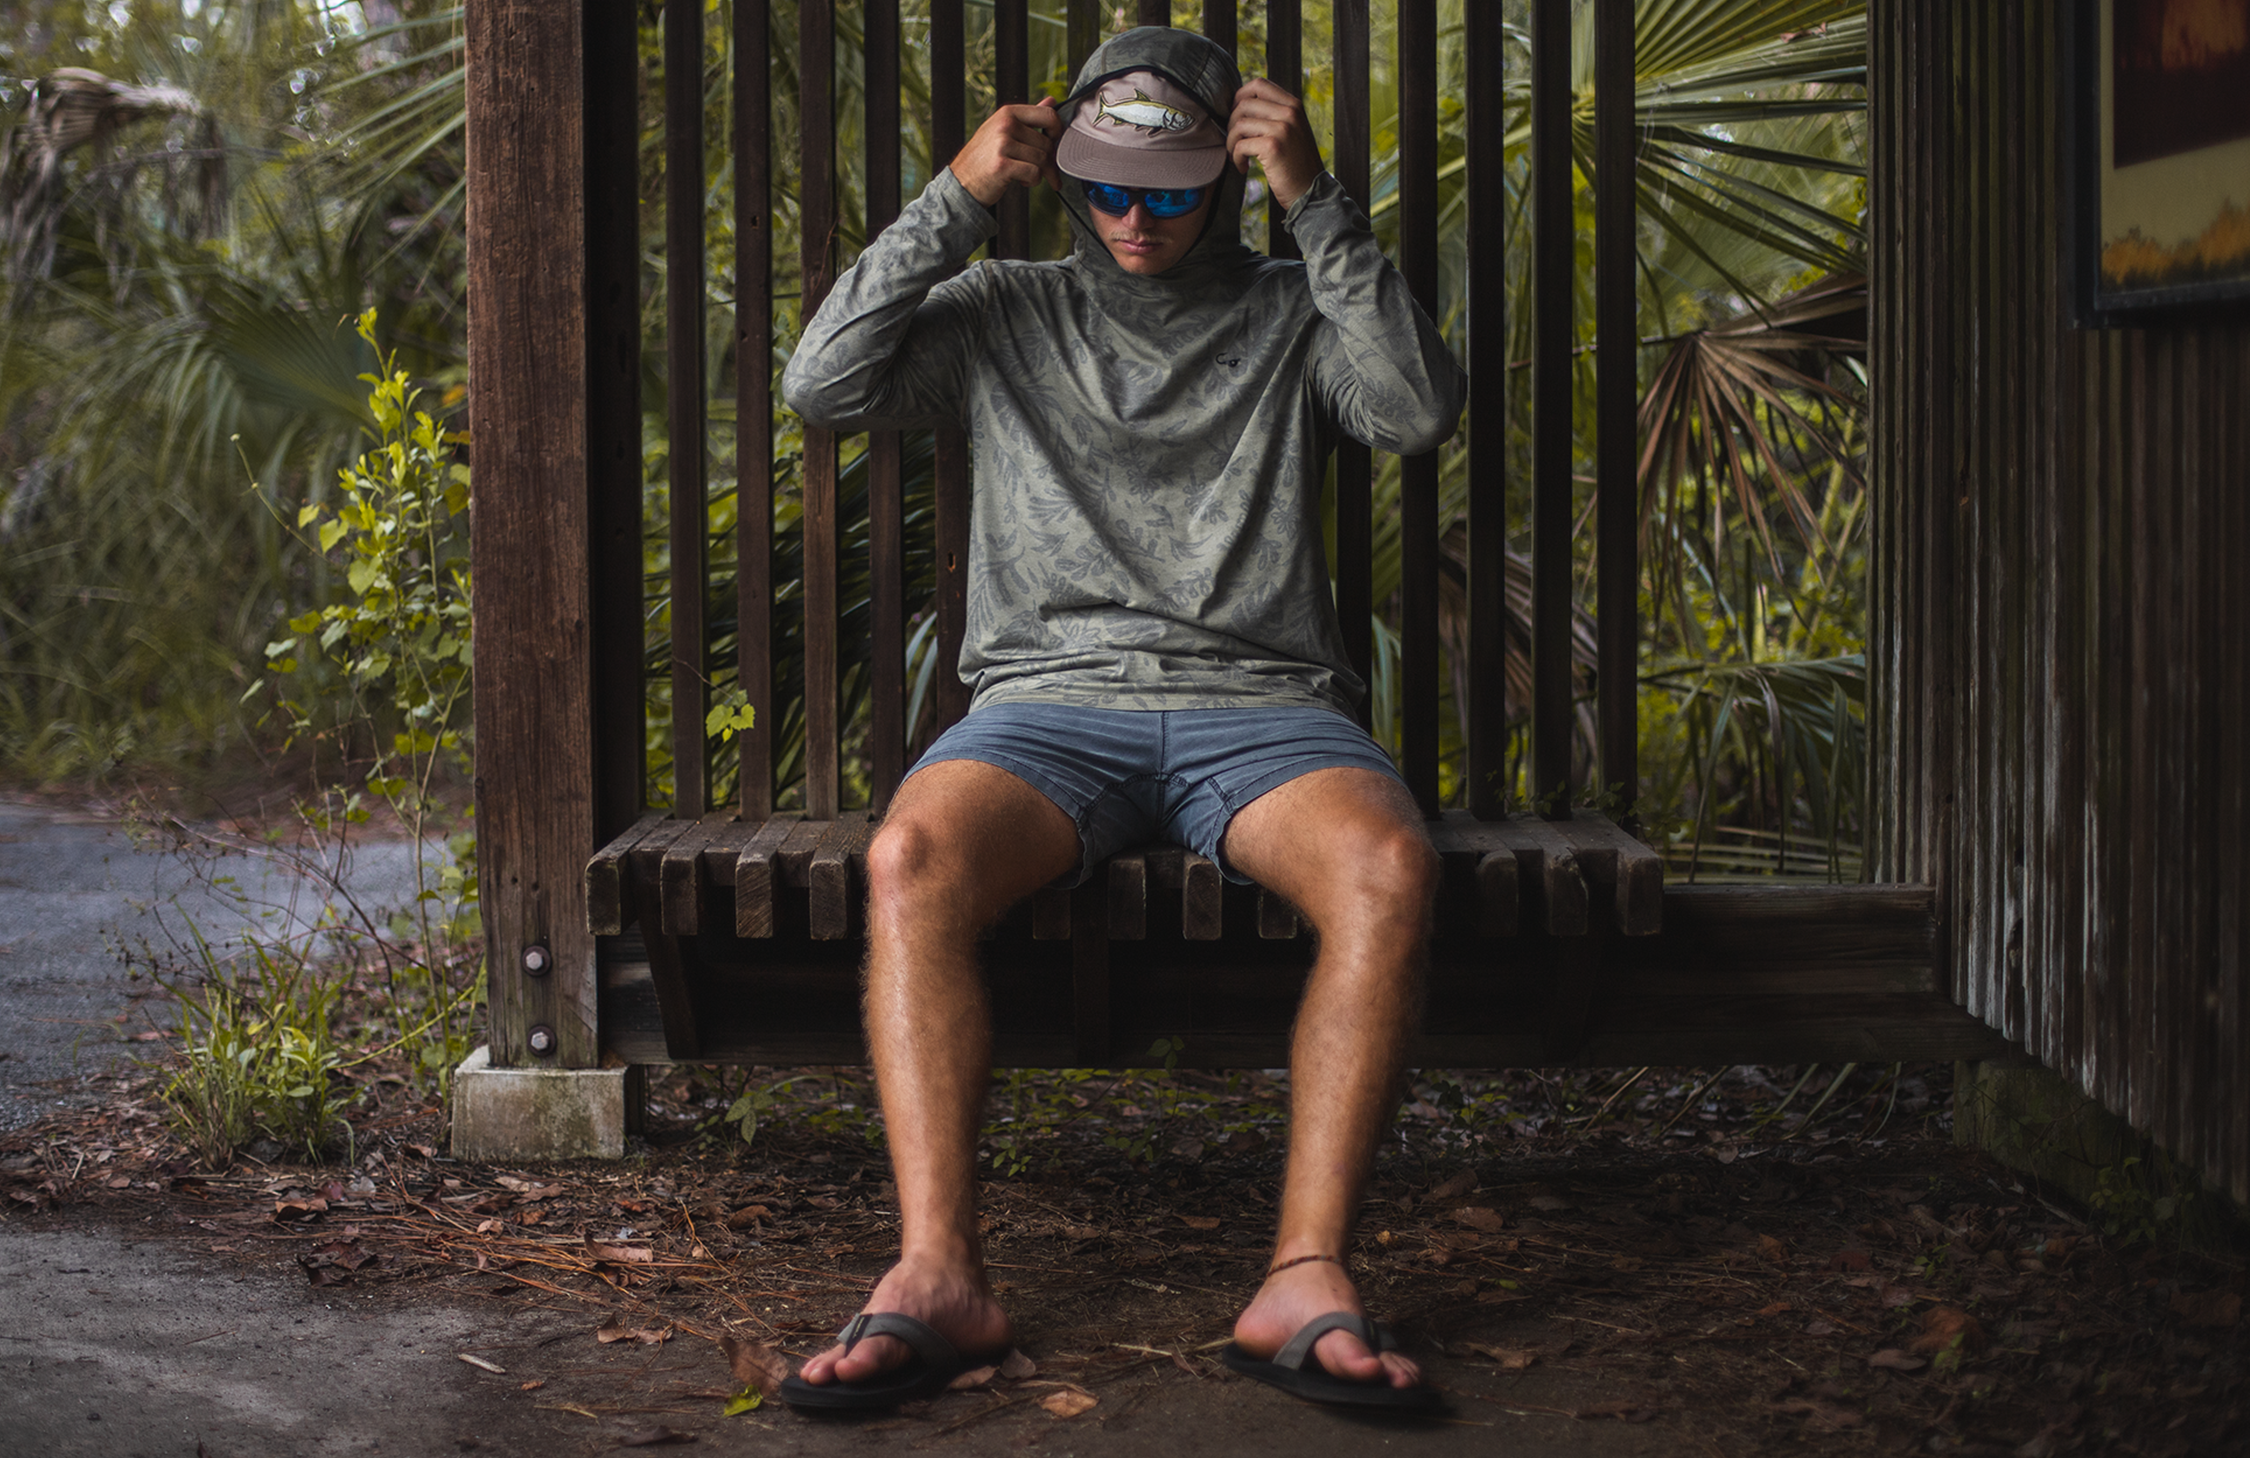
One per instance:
(1144, 113)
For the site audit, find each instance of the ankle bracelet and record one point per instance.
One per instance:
(1279, 1266)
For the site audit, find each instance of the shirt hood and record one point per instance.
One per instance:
(1206, 73)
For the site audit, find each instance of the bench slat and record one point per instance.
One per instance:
(723, 850)
(1498, 898)
(828, 874)
(1128, 897)
(756, 875)
(1277, 919)
(1201, 897)
(680, 879)
(605, 878)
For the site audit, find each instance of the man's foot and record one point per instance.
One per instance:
(953, 1301)
(1295, 1296)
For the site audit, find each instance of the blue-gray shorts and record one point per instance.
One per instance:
(1129, 776)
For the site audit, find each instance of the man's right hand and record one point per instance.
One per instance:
(1016, 145)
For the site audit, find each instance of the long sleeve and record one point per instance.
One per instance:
(893, 343)
(1379, 365)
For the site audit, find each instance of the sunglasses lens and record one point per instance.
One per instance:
(1161, 202)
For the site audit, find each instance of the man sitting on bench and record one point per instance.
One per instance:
(1152, 642)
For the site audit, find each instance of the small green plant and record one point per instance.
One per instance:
(399, 639)
(259, 1057)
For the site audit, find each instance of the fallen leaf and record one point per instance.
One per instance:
(1511, 1359)
(972, 1379)
(478, 1362)
(754, 1364)
(119, 1182)
(2207, 1308)
(748, 1215)
(1848, 1260)
(1082, 1232)
(532, 1386)
(1824, 1416)
(1774, 1309)
(1016, 1366)
(1943, 1326)
(1200, 1222)
(622, 1254)
(1550, 1202)
(1069, 1402)
(1453, 1189)
(655, 1437)
(303, 1209)
(618, 1330)
(1817, 1328)
(531, 1189)
(1893, 1360)
(1190, 1150)
(749, 1399)
(1770, 1248)
(1479, 1217)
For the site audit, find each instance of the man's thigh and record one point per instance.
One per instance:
(964, 821)
(1320, 837)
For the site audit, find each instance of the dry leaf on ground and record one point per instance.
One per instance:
(1479, 1217)
(1511, 1359)
(754, 1364)
(1069, 1402)
(619, 1329)
(1942, 1326)
(975, 1377)
(2208, 1308)
(1016, 1366)
(1893, 1360)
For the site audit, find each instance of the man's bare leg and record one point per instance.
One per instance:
(1347, 847)
(962, 842)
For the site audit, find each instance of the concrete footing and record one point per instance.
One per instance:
(543, 1113)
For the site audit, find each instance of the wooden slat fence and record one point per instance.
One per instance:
(2061, 602)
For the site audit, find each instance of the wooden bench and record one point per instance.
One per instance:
(1556, 942)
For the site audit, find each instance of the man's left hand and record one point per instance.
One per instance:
(1269, 124)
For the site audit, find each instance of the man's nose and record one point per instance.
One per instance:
(1139, 218)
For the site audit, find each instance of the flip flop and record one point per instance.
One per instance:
(1293, 1370)
(934, 1364)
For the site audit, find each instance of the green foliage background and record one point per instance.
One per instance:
(191, 335)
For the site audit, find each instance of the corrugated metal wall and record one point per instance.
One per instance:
(2062, 600)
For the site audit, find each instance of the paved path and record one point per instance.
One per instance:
(74, 895)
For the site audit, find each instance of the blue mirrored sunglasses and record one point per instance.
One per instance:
(1161, 202)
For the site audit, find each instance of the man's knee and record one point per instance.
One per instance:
(1402, 871)
(910, 863)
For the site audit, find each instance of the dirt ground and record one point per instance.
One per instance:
(1613, 1262)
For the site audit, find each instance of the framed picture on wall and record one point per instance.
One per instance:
(2157, 126)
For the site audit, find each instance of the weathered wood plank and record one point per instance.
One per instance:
(680, 876)
(1617, 387)
(1553, 286)
(1128, 896)
(828, 875)
(683, 353)
(1499, 893)
(1089, 973)
(605, 878)
(1200, 898)
(1418, 475)
(753, 394)
(1277, 919)
(817, 210)
(1485, 198)
(1011, 75)
(1355, 580)
(756, 877)
(886, 532)
(528, 393)
(1285, 66)
(1051, 914)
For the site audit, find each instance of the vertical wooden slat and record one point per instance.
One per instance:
(1219, 24)
(613, 417)
(1418, 475)
(816, 124)
(886, 532)
(753, 396)
(1486, 203)
(948, 123)
(1617, 568)
(528, 389)
(1355, 584)
(683, 349)
(1154, 12)
(1552, 286)
(1011, 74)
(1285, 67)
(1082, 31)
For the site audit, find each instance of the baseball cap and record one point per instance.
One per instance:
(1140, 129)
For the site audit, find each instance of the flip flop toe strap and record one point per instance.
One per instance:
(932, 1348)
(1298, 1352)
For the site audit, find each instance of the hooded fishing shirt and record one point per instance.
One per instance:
(1145, 520)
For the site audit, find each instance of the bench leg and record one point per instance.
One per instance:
(544, 1113)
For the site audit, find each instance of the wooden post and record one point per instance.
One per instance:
(1418, 475)
(1355, 582)
(1617, 390)
(683, 349)
(1487, 127)
(538, 256)
(753, 417)
(1553, 272)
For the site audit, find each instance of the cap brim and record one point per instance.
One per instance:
(1079, 155)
